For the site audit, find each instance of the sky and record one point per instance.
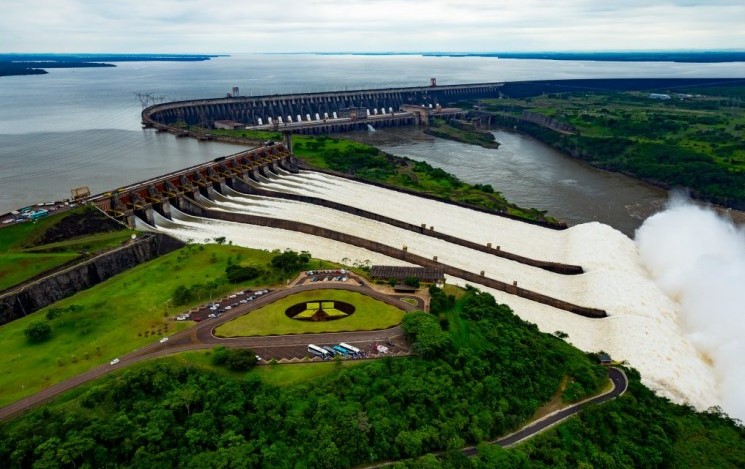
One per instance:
(249, 26)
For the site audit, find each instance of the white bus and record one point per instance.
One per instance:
(318, 351)
(354, 350)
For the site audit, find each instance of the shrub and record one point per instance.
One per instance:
(241, 359)
(38, 332)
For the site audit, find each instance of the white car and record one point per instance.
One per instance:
(228, 307)
(164, 340)
(114, 361)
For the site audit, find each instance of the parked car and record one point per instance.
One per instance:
(114, 362)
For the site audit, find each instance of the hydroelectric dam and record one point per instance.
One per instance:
(197, 191)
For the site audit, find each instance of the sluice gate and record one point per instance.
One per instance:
(140, 199)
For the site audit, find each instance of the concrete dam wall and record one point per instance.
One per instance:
(248, 110)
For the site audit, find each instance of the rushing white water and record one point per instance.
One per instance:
(704, 270)
(642, 325)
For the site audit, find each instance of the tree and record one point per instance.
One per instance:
(38, 332)
(290, 261)
(241, 359)
(426, 335)
(219, 355)
(220, 240)
(412, 282)
(182, 295)
(238, 273)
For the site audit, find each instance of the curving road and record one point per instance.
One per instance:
(620, 384)
(201, 337)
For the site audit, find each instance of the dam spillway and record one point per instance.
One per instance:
(640, 326)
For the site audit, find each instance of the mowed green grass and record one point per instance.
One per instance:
(19, 262)
(370, 314)
(115, 317)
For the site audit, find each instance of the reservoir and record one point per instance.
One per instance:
(81, 127)
(532, 174)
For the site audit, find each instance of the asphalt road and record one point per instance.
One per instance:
(620, 384)
(201, 337)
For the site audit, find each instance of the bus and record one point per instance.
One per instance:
(329, 350)
(344, 352)
(355, 352)
(318, 351)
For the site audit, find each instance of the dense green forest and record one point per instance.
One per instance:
(481, 371)
(692, 138)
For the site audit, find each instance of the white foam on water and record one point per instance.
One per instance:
(196, 229)
(642, 326)
(698, 258)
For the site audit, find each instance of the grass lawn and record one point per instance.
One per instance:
(115, 317)
(370, 314)
(20, 259)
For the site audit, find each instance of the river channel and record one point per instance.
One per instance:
(532, 174)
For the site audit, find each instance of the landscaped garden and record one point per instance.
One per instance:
(369, 314)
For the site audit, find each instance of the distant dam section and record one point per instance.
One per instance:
(311, 107)
(387, 106)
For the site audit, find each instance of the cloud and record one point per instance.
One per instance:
(356, 25)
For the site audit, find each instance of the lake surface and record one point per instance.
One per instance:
(75, 127)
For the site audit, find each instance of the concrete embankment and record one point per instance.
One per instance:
(194, 208)
(45, 291)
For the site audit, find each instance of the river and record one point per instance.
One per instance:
(81, 127)
(532, 174)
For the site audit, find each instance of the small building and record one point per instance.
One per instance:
(604, 359)
(401, 273)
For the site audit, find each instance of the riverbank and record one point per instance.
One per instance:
(691, 138)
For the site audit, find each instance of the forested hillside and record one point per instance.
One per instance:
(481, 372)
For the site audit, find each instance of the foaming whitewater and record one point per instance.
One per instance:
(642, 327)
(189, 228)
(698, 259)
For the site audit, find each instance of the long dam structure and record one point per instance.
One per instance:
(317, 112)
(243, 173)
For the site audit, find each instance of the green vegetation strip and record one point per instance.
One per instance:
(370, 314)
(115, 317)
(695, 139)
(29, 249)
